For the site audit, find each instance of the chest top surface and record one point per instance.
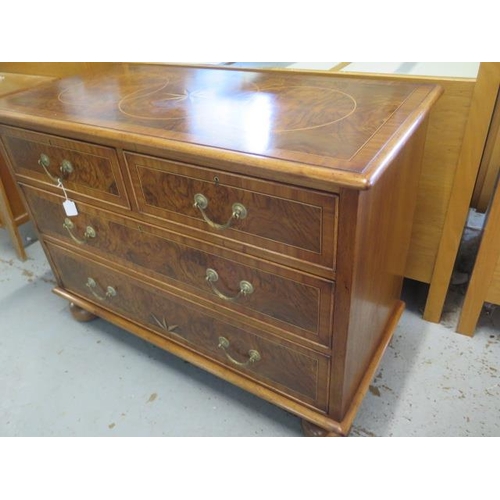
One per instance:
(346, 129)
(13, 82)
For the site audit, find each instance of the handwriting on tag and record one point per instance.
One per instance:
(70, 208)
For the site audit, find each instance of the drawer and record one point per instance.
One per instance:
(287, 368)
(284, 221)
(294, 302)
(85, 169)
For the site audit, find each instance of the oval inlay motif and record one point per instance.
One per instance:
(319, 106)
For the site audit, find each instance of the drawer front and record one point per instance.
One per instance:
(294, 302)
(290, 369)
(85, 169)
(287, 221)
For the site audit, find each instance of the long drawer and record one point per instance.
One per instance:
(282, 220)
(86, 170)
(286, 367)
(295, 303)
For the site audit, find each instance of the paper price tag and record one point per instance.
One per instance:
(68, 205)
(70, 208)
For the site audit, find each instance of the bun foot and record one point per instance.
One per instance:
(312, 430)
(80, 314)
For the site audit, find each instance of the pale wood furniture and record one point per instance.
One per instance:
(490, 163)
(484, 144)
(12, 210)
(484, 285)
(55, 69)
(255, 224)
(476, 134)
(438, 202)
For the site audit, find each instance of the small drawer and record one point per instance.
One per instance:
(84, 169)
(293, 302)
(290, 369)
(283, 221)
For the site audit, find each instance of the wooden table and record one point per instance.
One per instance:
(484, 285)
(480, 125)
(484, 152)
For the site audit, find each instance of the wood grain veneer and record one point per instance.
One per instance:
(327, 170)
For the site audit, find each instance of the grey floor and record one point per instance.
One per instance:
(63, 378)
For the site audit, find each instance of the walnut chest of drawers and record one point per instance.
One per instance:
(253, 223)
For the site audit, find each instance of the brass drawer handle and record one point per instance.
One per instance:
(66, 168)
(239, 212)
(253, 355)
(246, 288)
(89, 232)
(44, 162)
(92, 285)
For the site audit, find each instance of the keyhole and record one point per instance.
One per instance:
(216, 180)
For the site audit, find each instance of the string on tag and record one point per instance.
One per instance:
(61, 185)
(68, 205)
